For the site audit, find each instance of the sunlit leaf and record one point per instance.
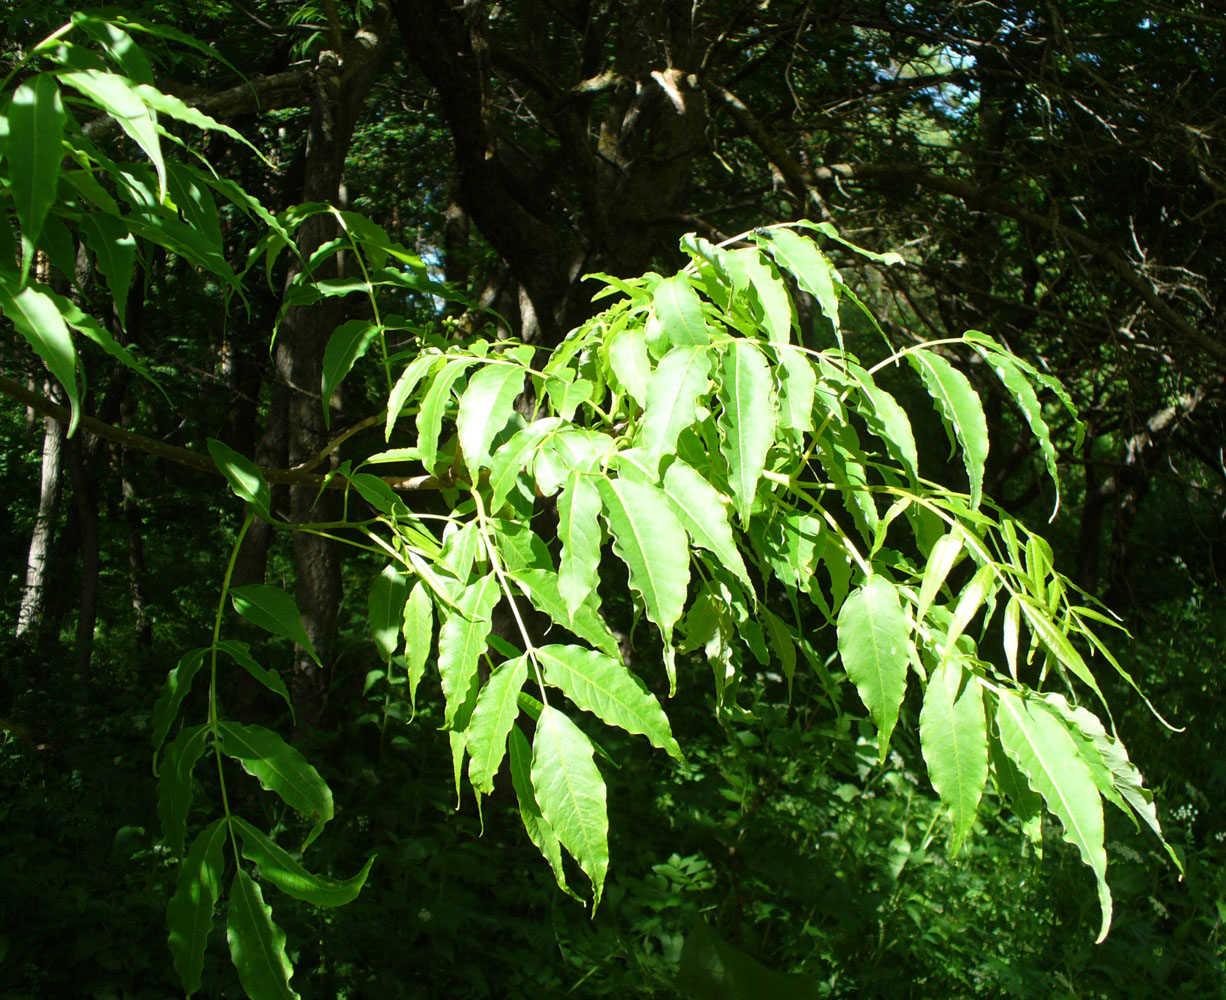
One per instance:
(257, 944)
(537, 827)
(872, 638)
(679, 310)
(284, 871)
(963, 413)
(462, 639)
(493, 716)
(36, 119)
(485, 407)
(36, 317)
(747, 420)
(571, 794)
(280, 769)
(244, 477)
(579, 531)
(1042, 748)
(673, 391)
(954, 739)
(602, 685)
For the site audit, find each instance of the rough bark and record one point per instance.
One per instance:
(338, 88)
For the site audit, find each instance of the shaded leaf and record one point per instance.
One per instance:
(174, 690)
(346, 345)
(273, 610)
(190, 910)
(175, 784)
(386, 609)
(240, 653)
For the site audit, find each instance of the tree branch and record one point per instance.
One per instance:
(202, 463)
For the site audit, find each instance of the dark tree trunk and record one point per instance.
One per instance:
(296, 426)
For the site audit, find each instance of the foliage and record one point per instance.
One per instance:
(708, 430)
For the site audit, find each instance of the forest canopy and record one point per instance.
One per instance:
(754, 465)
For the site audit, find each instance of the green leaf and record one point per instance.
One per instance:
(940, 561)
(978, 589)
(538, 828)
(679, 311)
(171, 106)
(244, 477)
(888, 421)
(178, 684)
(782, 642)
(386, 609)
(747, 422)
(36, 120)
(963, 414)
(1127, 785)
(800, 256)
(190, 910)
(462, 638)
(872, 639)
(434, 406)
(602, 685)
(485, 408)
(416, 370)
(495, 713)
(115, 95)
(514, 455)
(273, 610)
(797, 386)
(257, 944)
(651, 542)
(628, 358)
(418, 631)
(346, 345)
(542, 588)
(673, 391)
(37, 318)
(712, 969)
(579, 532)
(240, 653)
(280, 868)
(175, 784)
(280, 769)
(1021, 391)
(704, 514)
(571, 794)
(773, 306)
(954, 740)
(1042, 748)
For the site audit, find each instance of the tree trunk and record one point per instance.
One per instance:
(341, 82)
(30, 613)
